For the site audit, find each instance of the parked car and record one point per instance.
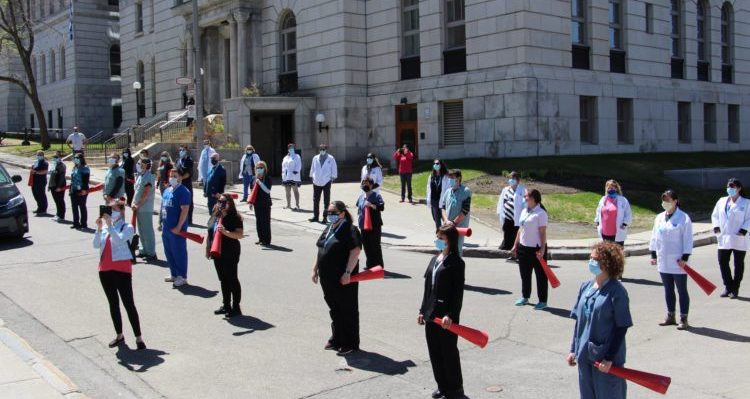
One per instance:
(14, 218)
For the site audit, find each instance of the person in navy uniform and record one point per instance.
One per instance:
(127, 164)
(369, 198)
(443, 299)
(39, 183)
(216, 180)
(262, 205)
(185, 167)
(602, 313)
(175, 205)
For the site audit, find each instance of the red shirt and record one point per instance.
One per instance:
(106, 263)
(404, 161)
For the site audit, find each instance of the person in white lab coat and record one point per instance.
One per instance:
(731, 222)
(204, 162)
(613, 215)
(291, 176)
(509, 208)
(374, 171)
(323, 171)
(247, 170)
(671, 245)
(437, 185)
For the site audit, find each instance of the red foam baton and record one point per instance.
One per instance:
(707, 286)
(368, 219)
(98, 187)
(216, 243)
(253, 194)
(233, 195)
(373, 273)
(192, 236)
(133, 219)
(31, 178)
(654, 382)
(553, 280)
(464, 231)
(476, 337)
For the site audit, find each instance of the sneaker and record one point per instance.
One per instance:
(725, 294)
(312, 220)
(235, 311)
(540, 306)
(521, 301)
(169, 279)
(179, 281)
(221, 310)
(75, 226)
(437, 394)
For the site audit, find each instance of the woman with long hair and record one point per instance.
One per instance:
(731, 221)
(613, 215)
(165, 166)
(437, 184)
(262, 205)
(530, 246)
(373, 170)
(227, 221)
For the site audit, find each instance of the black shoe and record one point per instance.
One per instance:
(437, 394)
(235, 311)
(732, 295)
(116, 342)
(75, 226)
(222, 310)
(35, 211)
(330, 346)
(725, 294)
(343, 351)
(312, 220)
(140, 345)
(457, 394)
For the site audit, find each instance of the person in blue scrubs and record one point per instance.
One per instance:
(175, 205)
(602, 314)
(456, 204)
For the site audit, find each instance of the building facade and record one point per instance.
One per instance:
(77, 69)
(453, 78)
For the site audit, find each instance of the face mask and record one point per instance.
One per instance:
(77, 161)
(436, 166)
(125, 155)
(183, 153)
(138, 168)
(164, 159)
(115, 215)
(55, 159)
(260, 171)
(731, 191)
(205, 146)
(40, 158)
(440, 244)
(173, 181)
(594, 267)
(512, 182)
(451, 182)
(332, 218)
(291, 152)
(214, 161)
(111, 161)
(365, 188)
(369, 161)
(612, 193)
(322, 152)
(666, 205)
(249, 152)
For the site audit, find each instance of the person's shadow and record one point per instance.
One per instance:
(390, 274)
(719, 334)
(641, 281)
(139, 360)
(272, 247)
(377, 363)
(485, 290)
(250, 324)
(564, 313)
(157, 262)
(15, 244)
(196, 290)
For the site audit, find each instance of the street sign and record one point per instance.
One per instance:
(184, 81)
(191, 111)
(190, 93)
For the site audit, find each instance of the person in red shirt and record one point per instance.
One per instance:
(404, 159)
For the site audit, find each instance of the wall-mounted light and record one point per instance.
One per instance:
(320, 118)
(404, 100)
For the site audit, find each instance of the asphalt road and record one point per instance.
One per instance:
(50, 294)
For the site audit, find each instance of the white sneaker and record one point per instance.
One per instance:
(56, 219)
(169, 279)
(179, 281)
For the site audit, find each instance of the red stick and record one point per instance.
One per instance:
(98, 187)
(476, 337)
(707, 286)
(192, 236)
(553, 280)
(233, 195)
(216, 243)
(373, 273)
(253, 194)
(464, 231)
(133, 219)
(31, 178)
(368, 219)
(654, 382)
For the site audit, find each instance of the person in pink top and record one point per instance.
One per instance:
(613, 215)
(404, 160)
(112, 239)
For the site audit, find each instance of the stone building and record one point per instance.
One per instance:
(454, 78)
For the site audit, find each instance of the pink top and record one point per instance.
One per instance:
(106, 264)
(609, 217)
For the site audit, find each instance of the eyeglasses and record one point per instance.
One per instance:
(731, 186)
(222, 201)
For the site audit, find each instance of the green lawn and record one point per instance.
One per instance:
(13, 146)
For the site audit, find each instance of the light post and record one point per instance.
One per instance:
(137, 88)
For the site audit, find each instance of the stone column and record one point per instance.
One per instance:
(235, 89)
(241, 18)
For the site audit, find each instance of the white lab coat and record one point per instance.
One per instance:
(204, 163)
(376, 174)
(670, 239)
(624, 216)
(517, 204)
(731, 221)
(322, 175)
(289, 166)
(245, 168)
(444, 186)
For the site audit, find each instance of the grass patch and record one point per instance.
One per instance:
(13, 146)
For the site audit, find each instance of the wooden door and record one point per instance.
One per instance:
(406, 128)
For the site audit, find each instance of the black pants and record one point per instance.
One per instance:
(231, 291)
(189, 184)
(510, 230)
(39, 191)
(119, 285)
(326, 190)
(59, 198)
(612, 239)
(446, 363)
(437, 215)
(263, 223)
(80, 213)
(405, 183)
(732, 284)
(129, 191)
(371, 244)
(527, 261)
(343, 305)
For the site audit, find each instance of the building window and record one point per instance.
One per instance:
(138, 17)
(50, 122)
(51, 7)
(141, 73)
(579, 35)
(703, 37)
(624, 121)
(616, 46)
(288, 45)
(44, 69)
(733, 122)
(452, 123)
(52, 66)
(410, 61)
(678, 57)
(114, 60)
(62, 63)
(34, 68)
(727, 43)
(454, 56)
(649, 18)
(115, 3)
(587, 109)
(153, 86)
(709, 123)
(683, 122)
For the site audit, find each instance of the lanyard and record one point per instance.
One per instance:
(332, 233)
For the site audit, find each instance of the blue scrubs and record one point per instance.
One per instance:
(599, 313)
(455, 202)
(175, 247)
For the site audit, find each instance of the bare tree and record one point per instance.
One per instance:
(17, 42)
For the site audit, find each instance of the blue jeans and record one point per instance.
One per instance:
(680, 280)
(247, 182)
(175, 248)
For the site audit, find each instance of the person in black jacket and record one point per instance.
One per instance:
(371, 239)
(443, 297)
(185, 168)
(38, 183)
(57, 185)
(262, 204)
(79, 191)
(227, 220)
(128, 165)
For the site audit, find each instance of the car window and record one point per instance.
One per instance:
(4, 178)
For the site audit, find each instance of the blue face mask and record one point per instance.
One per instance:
(40, 158)
(332, 218)
(291, 151)
(249, 152)
(512, 182)
(322, 152)
(440, 244)
(436, 166)
(77, 161)
(451, 182)
(259, 171)
(183, 153)
(369, 161)
(594, 267)
(612, 193)
(731, 191)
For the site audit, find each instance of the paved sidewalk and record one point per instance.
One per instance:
(410, 227)
(24, 373)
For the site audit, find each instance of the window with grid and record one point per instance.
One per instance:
(727, 42)
(709, 123)
(452, 123)
(114, 60)
(578, 35)
(683, 122)
(624, 121)
(44, 69)
(587, 109)
(63, 71)
(53, 66)
(649, 18)
(455, 27)
(289, 44)
(410, 61)
(615, 25)
(153, 86)
(678, 59)
(733, 122)
(141, 71)
(703, 38)
(139, 17)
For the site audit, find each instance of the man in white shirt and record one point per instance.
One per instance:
(76, 141)
(204, 162)
(323, 171)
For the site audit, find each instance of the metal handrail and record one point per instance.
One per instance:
(173, 120)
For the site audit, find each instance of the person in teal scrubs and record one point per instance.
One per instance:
(143, 206)
(456, 204)
(114, 180)
(602, 314)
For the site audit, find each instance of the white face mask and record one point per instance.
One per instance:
(111, 161)
(173, 181)
(138, 168)
(116, 215)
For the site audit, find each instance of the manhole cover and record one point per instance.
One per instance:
(494, 388)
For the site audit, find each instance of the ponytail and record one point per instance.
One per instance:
(341, 207)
